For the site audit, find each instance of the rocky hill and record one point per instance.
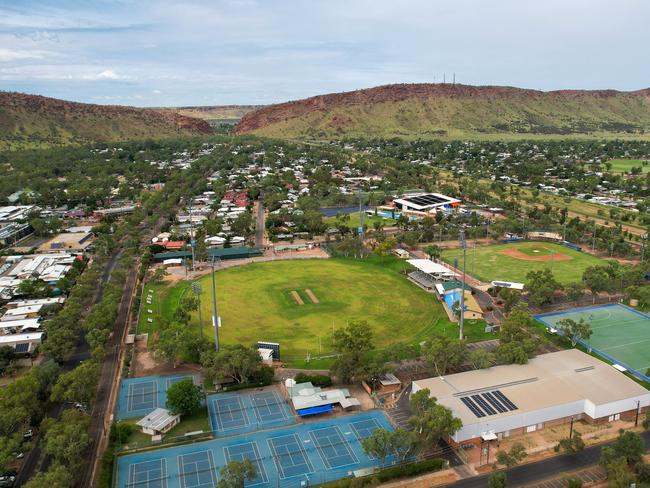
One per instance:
(456, 111)
(34, 121)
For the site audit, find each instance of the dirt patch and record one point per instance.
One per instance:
(145, 363)
(296, 297)
(517, 254)
(311, 296)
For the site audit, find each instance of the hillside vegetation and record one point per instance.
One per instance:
(456, 111)
(217, 112)
(35, 121)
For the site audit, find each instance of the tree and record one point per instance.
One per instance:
(541, 286)
(444, 353)
(67, 439)
(497, 480)
(433, 251)
(646, 420)
(351, 343)
(572, 482)
(77, 385)
(572, 444)
(232, 363)
(516, 342)
(510, 298)
(384, 248)
(514, 456)
(430, 420)
(7, 355)
(574, 331)
(184, 397)
(574, 291)
(57, 476)
(618, 472)
(235, 473)
(378, 445)
(481, 358)
(383, 443)
(596, 279)
(172, 341)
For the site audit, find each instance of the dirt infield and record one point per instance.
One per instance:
(297, 298)
(311, 296)
(517, 254)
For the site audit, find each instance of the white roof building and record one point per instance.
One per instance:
(22, 343)
(551, 389)
(159, 421)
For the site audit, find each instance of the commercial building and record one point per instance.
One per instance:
(425, 203)
(551, 389)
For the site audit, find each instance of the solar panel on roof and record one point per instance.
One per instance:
(472, 406)
(491, 399)
(426, 200)
(22, 347)
(504, 399)
(487, 408)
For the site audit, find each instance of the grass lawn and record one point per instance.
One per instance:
(489, 263)
(353, 223)
(255, 303)
(198, 421)
(625, 165)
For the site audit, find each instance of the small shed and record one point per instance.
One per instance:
(159, 421)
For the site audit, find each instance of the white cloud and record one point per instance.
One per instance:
(157, 92)
(10, 55)
(107, 74)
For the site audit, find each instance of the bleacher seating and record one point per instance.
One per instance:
(422, 278)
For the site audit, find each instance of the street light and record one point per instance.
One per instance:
(197, 289)
(463, 246)
(215, 317)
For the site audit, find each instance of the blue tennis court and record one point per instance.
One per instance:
(236, 413)
(289, 456)
(248, 450)
(197, 470)
(148, 474)
(139, 396)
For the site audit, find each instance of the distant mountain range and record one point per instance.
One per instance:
(456, 111)
(35, 121)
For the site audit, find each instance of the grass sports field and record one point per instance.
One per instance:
(625, 165)
(511, 262)
(620, 334)
(298, 303)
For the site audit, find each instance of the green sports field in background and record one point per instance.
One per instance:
(489, 263)
(625, 165)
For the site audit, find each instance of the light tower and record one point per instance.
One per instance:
(197, 289)
(215, 317)
(461, 321)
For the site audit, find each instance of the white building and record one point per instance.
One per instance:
(159, 421)
(425, 203)
(551, 389)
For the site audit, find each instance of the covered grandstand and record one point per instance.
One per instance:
(428, 273)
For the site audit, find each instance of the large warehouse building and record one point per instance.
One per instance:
(551, 389)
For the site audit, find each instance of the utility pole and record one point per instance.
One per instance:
(638, 407)
(564, 231)
(461, 321)
(198, 289)
(593, 242)
(215, 317)
(361, 218)
(645, 243)
(192, 240)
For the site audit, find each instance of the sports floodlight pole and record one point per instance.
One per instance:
(463, 246)
(198, 289)
(215, 318)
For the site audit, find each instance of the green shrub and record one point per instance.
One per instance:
(315, 379)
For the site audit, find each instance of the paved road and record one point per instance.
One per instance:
(548, 468)
(34, 462)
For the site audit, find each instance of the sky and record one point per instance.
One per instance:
(219, 52)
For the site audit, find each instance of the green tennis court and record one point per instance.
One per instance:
(620, 334)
